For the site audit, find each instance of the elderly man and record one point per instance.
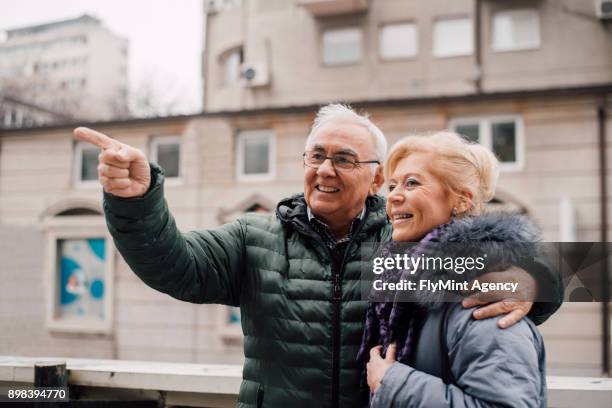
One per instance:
(294, 275)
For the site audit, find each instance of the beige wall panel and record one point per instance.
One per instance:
(572, 352)
(155, 354)
(168, 313)
(561, 160)
(551, 187)
(135, 291)
(172, 337)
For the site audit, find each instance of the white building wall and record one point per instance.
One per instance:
(72, 68)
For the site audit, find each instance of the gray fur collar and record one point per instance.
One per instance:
(505, 239)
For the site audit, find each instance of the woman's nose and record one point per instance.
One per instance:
(395, 196)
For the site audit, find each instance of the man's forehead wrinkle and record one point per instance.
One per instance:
(335, 150)
(345, 150)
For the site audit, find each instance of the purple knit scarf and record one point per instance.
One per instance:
(396, 322)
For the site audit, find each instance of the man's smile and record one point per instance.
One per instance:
(326, 189)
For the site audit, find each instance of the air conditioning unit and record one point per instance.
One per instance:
(603, 9)
(212, 6)
(254, 75)
(215, 6)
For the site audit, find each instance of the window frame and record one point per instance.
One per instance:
(451, 18)
(496, 48)
(240, 155)
(78, 162)
(223, 58)
(485, 136)
(399, 23)
(76, 227)
(154, 144)
(359, 61)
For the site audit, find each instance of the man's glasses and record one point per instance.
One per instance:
(340, 161)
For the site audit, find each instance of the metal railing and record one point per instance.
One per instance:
(215, 385)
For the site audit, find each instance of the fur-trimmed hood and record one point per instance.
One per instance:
(500, 240)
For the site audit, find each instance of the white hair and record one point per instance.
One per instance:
(335, 111)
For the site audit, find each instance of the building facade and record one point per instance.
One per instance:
(313, 51)
(16, 113)
(545, 113)
(76, 66)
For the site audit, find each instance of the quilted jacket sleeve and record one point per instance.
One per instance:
(198, 266)
(492, 367)
(550, 286)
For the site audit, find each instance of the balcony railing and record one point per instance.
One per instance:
(213, 385)
(323, 8)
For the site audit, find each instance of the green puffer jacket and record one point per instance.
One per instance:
(301, 308)
(300, 343)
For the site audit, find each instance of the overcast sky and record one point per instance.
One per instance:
(165, 36)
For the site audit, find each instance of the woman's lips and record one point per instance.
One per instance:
(401, 217)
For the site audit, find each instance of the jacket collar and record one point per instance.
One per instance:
(294, 211)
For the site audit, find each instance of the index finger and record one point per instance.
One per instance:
(375, 352)
(481, 298)
(96, 138)
(391, 352)
(511, 318)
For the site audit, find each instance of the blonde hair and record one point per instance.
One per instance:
(465, 168)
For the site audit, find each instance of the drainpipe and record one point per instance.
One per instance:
(605, 278)
(205, 61)
(477, 45)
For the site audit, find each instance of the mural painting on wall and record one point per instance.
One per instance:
(82, 278)
(234, 315)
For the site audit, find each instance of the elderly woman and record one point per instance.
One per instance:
(435, 353)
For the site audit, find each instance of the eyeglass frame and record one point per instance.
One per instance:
(331, 158)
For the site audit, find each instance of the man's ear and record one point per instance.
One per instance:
(379, 180)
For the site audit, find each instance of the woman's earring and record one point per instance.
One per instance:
(454, 212)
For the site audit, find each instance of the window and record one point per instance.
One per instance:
(342, 46)
(516, 30)
(502, 134)
(453, 37)
(166, 151)
(398, 41)
(231, 63)
(78, 263)
(86, 164)
(255, 155)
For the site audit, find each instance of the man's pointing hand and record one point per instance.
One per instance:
(122, 169)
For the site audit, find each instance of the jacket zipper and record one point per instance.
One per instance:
(337, 305)
(337, 301)
(336, 318)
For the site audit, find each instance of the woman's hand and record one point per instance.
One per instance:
(515, 305)
(378, 366)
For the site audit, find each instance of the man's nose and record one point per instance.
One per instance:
(326, 168)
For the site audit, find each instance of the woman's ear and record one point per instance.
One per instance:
(463, 203)
(378, 181)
